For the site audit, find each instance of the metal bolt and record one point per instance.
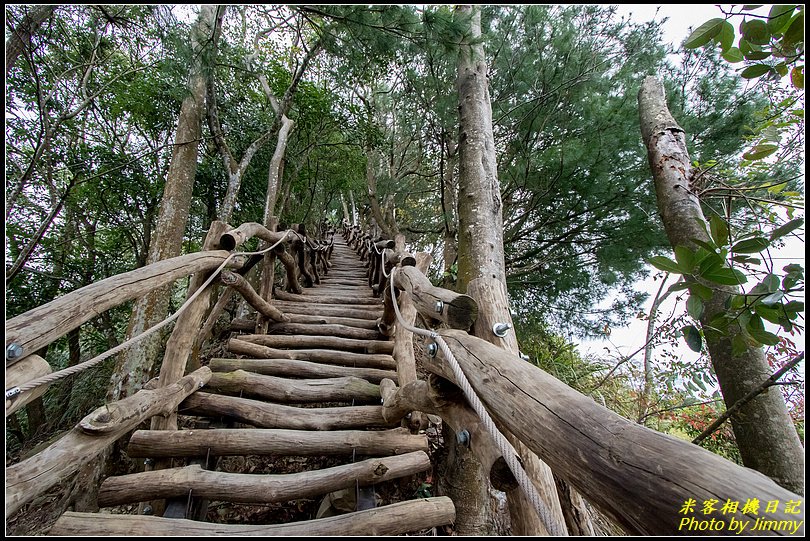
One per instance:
(14, 391)
(500, 329)
(463, 438)
(432, 349)
(524, 356)
(439, 307)
(149, 462)
(147, 509)
(14, 351)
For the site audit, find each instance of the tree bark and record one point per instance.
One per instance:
(480, 240)
(763, 429)
(21, 36)
(134, 366)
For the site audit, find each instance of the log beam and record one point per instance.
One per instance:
(455, 309)
(299, 369)
(344, 389)
(306, 341)
(29, 369)
(344, 358)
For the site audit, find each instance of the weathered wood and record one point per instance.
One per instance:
(328, 299)
(394, 519)
(340, 331)
(344, 358)
(304, 341)
(333, 320)
(256, 488)
(240, 284)
(343, 389)
(638, 477)
(267, 415)
(233, 238)
(299, 369)
(263, 441)
(457, 310)
(40, 326)
(28, 479)
(344, 293)
(362, 312)
(453, 409)
(29, 369)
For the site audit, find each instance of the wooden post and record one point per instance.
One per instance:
(29, 369)
(268, 273)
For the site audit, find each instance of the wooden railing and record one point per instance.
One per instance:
(304, 259)
(637, 476)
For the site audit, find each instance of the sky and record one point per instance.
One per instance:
(676, 29)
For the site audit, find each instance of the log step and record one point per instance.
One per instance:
(395, 519)
(327, 356)
(344, 389)
(307, 341)
(299, 369)
(328, 299)
(363, 312)
(255, 488)
(339, 331)
(263, 441)
(268, 415)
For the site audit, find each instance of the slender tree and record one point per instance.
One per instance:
(763, 429)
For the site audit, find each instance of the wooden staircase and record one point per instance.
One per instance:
(308, 389)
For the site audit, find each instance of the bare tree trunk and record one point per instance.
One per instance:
(449, 202)
(371, 186)
(134, 366)
(346, 215)
(481, 268)
(354, 208)
(763, 429)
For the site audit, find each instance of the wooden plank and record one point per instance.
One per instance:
(395, 519)
(343, 389)
(267, 415)
(256, 488)
(638, 477)
(299, 369)
(341, 331)
(261, 441)
(327, 299)
(364, 312)
(328, 356)
(40, 326)
(28, 479)
(304, 341)
(29, 369)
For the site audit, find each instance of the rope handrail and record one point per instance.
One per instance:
(508, 452)
(55, 376)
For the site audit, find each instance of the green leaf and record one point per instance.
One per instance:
(707, 246)
(764, 337)
(726, 36)
(769, 314)
(665, 264)
(750, 246)
(761, 151)
(771, 283)
(693, 338)
(757, 55)
(754, 71)
(779, 17)
(700, 290)
(797, 77)
(719, 230)
(699, 382)
(733, 55)
(756, 31)
(685, 258)
(784, 229)
(795, 32)
(678, 286)
(755, 323)
(704, 33)
(781, 68)
(751, 7)
(725, 276)
(772, 299)
(794, 306)
(738, 345)
(694, 306)
(746, 259)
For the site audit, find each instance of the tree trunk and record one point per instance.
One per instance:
(481, 268)
(21, 36)
(763, 429)
(134, 366)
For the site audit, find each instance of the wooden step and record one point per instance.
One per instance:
(341, 331)
(299, 369)
(331, 310)
(307, 341)
(395, 519)
(328, 356)
(345, 389)
(255, 488)
(328, 299)
(267, 415)
(265, 441)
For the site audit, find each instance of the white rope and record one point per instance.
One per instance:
(382, 264)
(50, 378)
(506, 449)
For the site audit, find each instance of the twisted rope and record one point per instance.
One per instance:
(506, 449)
(50, 378)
